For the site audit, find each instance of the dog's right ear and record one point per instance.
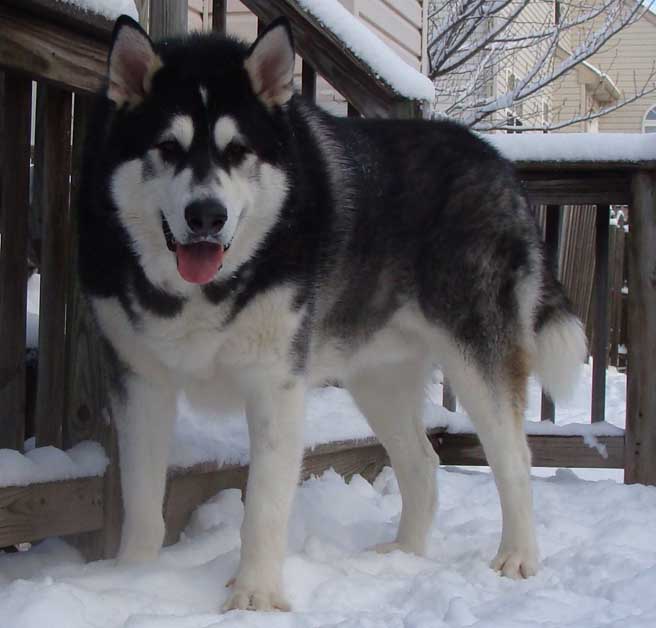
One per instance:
(132, 63)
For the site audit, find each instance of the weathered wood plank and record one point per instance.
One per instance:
(547, 451)
(569, 185)
(67, 15)
(552, 248)
(600, 336)
(186, 491)
(328, 56)
(89, 369)
(219, 8)
(641, 387)
(308, 82)
(29, 513)
(49, 51)
(449, 400)
(55, 256)
(13, 258)
(615, 296)
(167, 17)
(77, 506)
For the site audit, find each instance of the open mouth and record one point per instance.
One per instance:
(198, 261)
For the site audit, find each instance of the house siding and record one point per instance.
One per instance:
(399, 23)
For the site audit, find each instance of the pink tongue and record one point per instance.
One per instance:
(199, 263)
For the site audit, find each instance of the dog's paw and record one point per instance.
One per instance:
(515, 563)
(136, 555)
(394, 546)
(388, 548)
(255, 599)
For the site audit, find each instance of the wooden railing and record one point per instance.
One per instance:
(323, 52)
(64, 50)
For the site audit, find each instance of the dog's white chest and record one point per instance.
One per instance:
(202, 335)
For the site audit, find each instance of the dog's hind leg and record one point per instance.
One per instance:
(391, 398)
(145, 422)
(496, 405)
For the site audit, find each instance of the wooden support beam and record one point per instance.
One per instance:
(572, 184)
(328, 56)
(552, 247)
(449, 400)
(46, 50)
(76, 506)
(55, 106)
(167, 18)
(641, 388)
(30, 513)
(219, 14)
(90, 371)
(600, 335)
(547, 451)
(13, 258)
(308, 82)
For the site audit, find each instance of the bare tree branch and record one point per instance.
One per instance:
(471, 41)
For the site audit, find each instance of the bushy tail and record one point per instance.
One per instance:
(561, 345)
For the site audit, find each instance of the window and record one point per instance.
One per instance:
(515, 113)
(649, 121)
(545, 112)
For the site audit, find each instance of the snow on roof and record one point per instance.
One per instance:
(385, 63)
(599, 147)
(110, 9)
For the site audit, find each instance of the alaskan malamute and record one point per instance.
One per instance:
(237, 241)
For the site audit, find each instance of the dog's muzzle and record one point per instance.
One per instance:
(200, 258)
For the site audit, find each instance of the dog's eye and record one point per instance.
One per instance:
(169, 150)
(234, 153)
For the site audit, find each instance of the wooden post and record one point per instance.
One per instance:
(142, 9)
(406, 109)
(308, 82)
(219, 15)
(351, 111)
(448, 397)
(89, 372)
(13, 258)
(168, 17)
(552, 246)
(640, 458)
(600, 334)
(55, 108)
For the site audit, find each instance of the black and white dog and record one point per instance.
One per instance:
(240, 245)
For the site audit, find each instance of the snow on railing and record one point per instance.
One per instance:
(575, 147)
(364, 44)
(109, 9)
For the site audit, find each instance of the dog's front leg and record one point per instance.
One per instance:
(144, 423)
(274, 411)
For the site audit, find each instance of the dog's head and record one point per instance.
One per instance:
(197, 146)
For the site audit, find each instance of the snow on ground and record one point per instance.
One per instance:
(575, 146)
(110, 9)
(597, 544)
(364, 44)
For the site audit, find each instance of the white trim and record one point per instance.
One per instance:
(651, 124)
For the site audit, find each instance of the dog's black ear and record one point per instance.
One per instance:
(132, 63)
(270, 64)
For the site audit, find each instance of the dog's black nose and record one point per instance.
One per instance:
(206, 216)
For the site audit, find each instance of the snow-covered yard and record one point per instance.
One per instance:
(598, 568)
